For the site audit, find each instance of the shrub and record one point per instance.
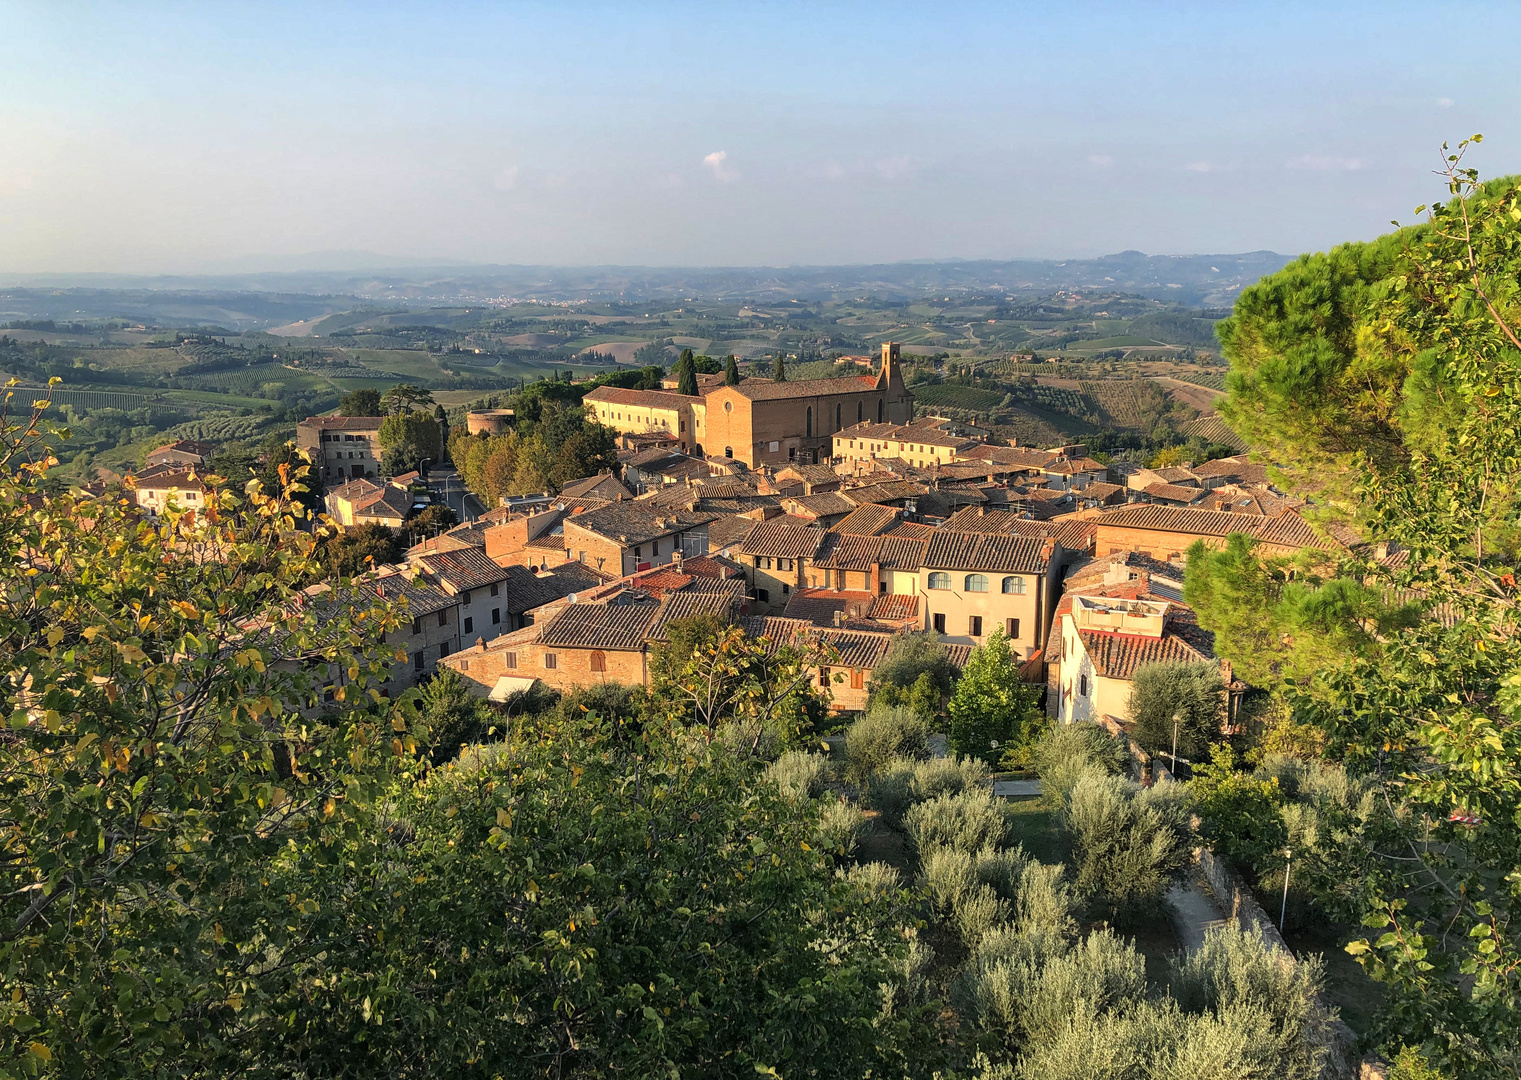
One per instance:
(1068, 751)
(940, 776)
(915, 672)
(875, 878)
(1045, 903)
(1191, 692)
(880, 736)
(889, 790)
(1261, 997)
(1129, 847)
(967, 822)
(799, 774)
(992, 709)
(1002, 870)
(839, 827)
(954, 886)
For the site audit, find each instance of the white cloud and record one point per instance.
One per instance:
(1199, 166)
(1444, 102)
(834, 171)
(1321, 163)
(718, 162)
(1102, 161)
(507, 179)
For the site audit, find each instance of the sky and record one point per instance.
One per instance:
(196, 138)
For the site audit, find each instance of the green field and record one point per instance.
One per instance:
(958, 397)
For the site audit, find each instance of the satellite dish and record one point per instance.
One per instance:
(571, 598)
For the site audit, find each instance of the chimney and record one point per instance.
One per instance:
(1381, 550)
(1047, 548)
(839, 618)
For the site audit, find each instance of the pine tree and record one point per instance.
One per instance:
(731, 372)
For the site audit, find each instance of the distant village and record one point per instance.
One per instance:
(820, 512)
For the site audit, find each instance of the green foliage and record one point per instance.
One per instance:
(407, 439)
(1129, 845)
(1069, 752)
(731, 371)
(350, 552)
(799, 774)
(652, 913)
(916, 673)
(1239, 813)
(1191, 694)
(177, 796)
(403, 398)
(364, 401)
(779, 373)
(969, 821)
(453, 715)
(992, 709)
(881, 736)
(1389, 374)
(440, 517)
(686, 374)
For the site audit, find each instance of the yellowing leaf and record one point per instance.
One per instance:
(42, 1053)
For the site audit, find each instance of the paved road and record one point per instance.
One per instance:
(448, 488)
(1193, 914)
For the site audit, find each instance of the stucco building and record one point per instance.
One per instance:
(341, 447)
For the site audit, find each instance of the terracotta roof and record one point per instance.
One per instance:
(526, 590)
(958, 655)
(728, 531)
(600, 626)
(903, 553)
(1174, 493)
(467, 568)
(607, 482)
(183, 479)
(977, 551)
(712, 566)
(421, 595)
(819, 606)
(688, 603)
(1101, 489)
(1236, 469)
(1117, 656)
(783, 540)
(895, 607)
(650, 399)
(1174, 474)
(824, 504)
(343, 423)
(870, 519)
(911, 530)
(633, 522)
(802, 388)
(1287, 530)
(356, 490)
(885, 492)
(817, 474)
(1018, 456)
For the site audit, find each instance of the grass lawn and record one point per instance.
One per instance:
(1347, 986)
(1038, 833)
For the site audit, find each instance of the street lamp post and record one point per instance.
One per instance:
(1177, 718)
(1288, 862)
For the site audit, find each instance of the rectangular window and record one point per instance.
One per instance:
(443, 618)
(469, 624)
(857, 678)
(786, 588)
(1082, 685)
(496, 616)
(551, 661)
(654, 548)
(639, 552)
(443, 650)
(416, 626)
(823, 676)
(510, 661)
(1012, 629)
(417, 660)
(974, 625)
(938, 623)
(763, 595)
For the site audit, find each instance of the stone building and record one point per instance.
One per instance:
(341, 447)
(773, 423)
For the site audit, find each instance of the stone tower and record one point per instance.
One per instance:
(899, 402)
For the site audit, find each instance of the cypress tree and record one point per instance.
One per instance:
(731, 372)
(780, 375)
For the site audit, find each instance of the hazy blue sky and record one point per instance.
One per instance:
(197, 136)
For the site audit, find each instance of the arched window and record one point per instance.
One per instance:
(837, 416)
(879, 410)
(598, 660)
(939, 580)
(860, 411)
(728, 451)
(976, 583)
(1015, 585)
(810, 422)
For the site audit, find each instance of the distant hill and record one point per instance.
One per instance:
(1205, 281)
